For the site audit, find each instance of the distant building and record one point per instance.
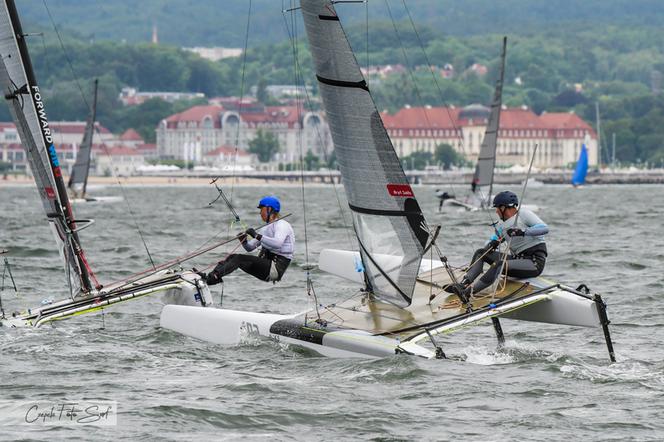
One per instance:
(130, 96)
(71, 132)
(447, 71)
(215, 53)
(131, 138)
(558, 135)
(228, 157)
(279, 91)
(202, 129)
(120, 161)
(383, 71)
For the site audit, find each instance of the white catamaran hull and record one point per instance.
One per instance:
(181, 288)
(229, 327)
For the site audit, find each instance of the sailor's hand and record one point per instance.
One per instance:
(515, 231)
(493, 244)
(251, 232)
(242, 237)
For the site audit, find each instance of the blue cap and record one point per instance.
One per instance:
(270, 201)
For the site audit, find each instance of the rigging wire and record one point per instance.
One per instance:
(319, 135)
(239, 105)
(96, 129)
(456, 129)
(298, 106)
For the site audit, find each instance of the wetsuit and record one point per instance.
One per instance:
(527, 253)
(277, 242)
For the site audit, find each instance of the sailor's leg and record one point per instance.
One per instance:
(477, 264)
(524, 267)
(228, 265)
(256, 266)
(488, 278)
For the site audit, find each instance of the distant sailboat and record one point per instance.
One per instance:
(579, 177)
(20, 90)
(482, 185)
(402, 302)
(78, 180)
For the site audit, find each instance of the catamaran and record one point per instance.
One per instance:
(401, 305)
(482, 184)
(86, 294)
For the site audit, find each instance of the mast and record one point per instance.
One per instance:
(599, 137)
(389, 225)
(486, 161)
(19, 84)
(81, 170)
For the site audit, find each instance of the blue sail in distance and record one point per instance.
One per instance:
(579, 176)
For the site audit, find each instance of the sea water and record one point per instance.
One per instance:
(548, 383)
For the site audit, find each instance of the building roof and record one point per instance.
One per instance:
(74, 127)
(520, 118)
(120, 151)
(227, 150)
(197, 113)
(422, 117)
(131, 135)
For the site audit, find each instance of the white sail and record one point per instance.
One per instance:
(386, 215)
(23, 96)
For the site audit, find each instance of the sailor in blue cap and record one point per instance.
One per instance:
(277, 243)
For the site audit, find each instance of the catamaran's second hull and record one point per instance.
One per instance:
(182, 288)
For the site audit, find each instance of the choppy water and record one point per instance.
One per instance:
(549, 383)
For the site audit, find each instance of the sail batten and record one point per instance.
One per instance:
(486, 162)
(386, 216)
(24, 98)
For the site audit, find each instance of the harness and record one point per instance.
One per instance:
(279, 264)
(536, 253)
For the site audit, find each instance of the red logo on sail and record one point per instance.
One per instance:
(403, 190)
(50, 193)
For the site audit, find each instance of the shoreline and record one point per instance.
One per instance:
(295, 179)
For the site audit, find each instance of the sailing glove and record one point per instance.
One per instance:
(251, 232)
(514, 231)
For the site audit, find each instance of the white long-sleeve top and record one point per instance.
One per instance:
(277, 237)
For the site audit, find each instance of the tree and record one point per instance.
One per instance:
(311, 161)
(265, 145)
(417, 160)
(447, 156)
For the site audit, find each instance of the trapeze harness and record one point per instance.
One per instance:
(277, 246)
(527, 253)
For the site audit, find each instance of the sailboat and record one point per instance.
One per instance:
(482, 185)
(86, 294)
(581, 170)
(401, 305)
(78, 179)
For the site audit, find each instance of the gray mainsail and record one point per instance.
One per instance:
(78, 180)
(388, 222)
(20, 90)
(486, 161)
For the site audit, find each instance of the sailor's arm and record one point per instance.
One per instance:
(274, 242)
(536, 227)
(248, 244)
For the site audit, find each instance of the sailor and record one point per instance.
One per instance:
(527, 248)
(442, 196)
(276, 240)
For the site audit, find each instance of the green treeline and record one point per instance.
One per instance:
(618, 67)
